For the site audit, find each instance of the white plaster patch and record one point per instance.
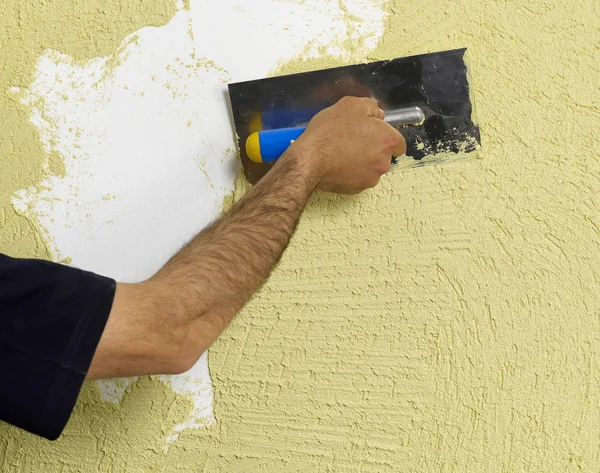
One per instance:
(113, 390)
(148, 145)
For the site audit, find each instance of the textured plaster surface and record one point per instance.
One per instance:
(446, 321)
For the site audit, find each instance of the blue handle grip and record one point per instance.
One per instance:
(273, 143)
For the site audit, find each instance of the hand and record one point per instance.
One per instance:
(348, 147)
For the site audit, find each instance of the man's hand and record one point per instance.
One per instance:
(163, 325)
(349, 146)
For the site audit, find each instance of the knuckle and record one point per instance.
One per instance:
(373, 181)
(369, 101)
(393, 140)
(350, 102)
(384, 167)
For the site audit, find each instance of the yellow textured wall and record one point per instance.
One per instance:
(81, 29)
(447, 321)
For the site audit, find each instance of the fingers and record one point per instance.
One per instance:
(363, 105)
(384, 168)
(390, 139)
(398, 143)
(373, 109)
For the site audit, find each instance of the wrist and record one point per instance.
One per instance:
(301, 158)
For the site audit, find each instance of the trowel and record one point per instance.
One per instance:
(426, 97)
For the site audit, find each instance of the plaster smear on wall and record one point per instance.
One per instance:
(145, 146)
(27, 29)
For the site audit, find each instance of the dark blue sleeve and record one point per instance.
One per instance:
(51, 320)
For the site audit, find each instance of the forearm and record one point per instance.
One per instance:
(211, 279)
(163, 325)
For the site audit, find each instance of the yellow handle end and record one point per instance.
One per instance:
(253, 148)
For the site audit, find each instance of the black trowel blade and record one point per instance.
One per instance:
(437, 83)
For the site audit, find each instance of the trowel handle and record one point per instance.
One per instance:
(268, 146)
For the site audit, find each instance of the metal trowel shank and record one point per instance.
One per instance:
(436, 83)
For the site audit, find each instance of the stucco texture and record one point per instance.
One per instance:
(447, 321)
